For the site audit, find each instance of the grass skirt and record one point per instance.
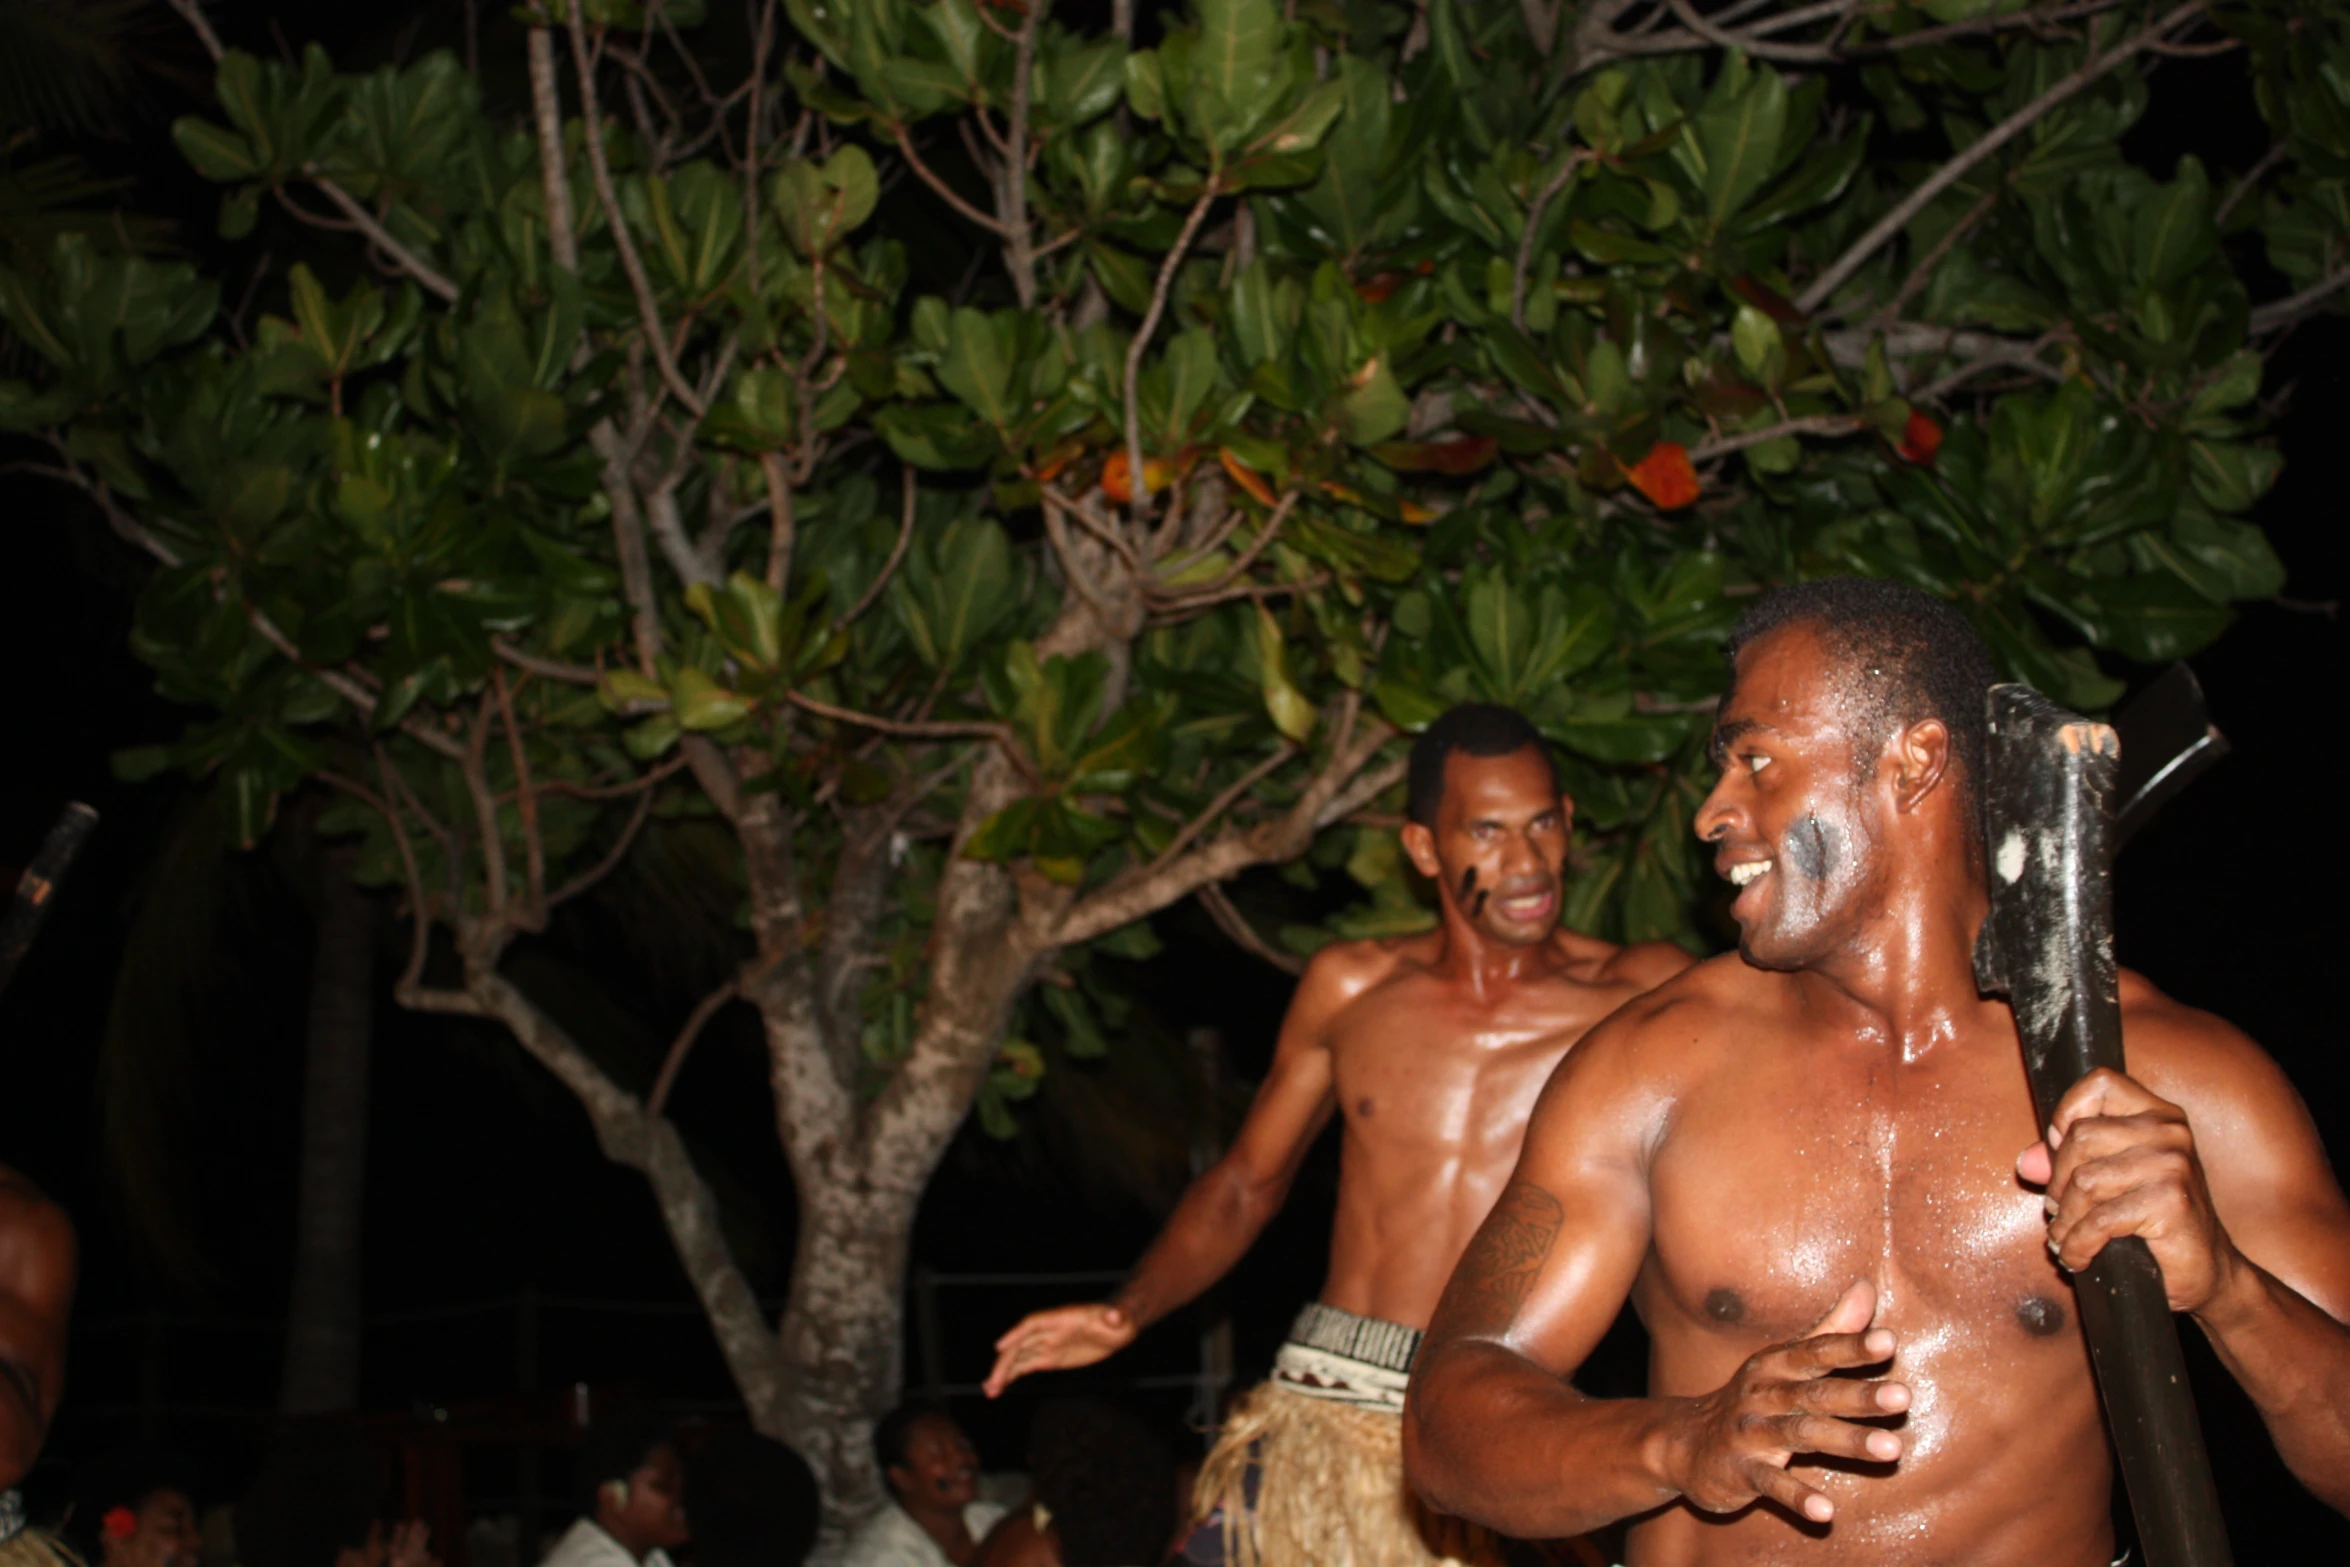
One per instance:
(1329, 1490)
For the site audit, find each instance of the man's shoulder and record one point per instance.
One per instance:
(2187, 1054)
(1694, 999)
(1341, 971)
(1642, 965)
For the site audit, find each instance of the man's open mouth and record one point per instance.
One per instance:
(1524, 906)
(1744, 874)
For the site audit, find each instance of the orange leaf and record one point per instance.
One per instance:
(1921, 438)
(1374, 289)
(1245, 476)
(1665, 476)
(1118, 476)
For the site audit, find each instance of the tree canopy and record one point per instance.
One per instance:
(998, 477)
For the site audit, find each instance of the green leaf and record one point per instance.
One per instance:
(1233, 70)
(699, 702)
(215, 153)
(1736, 136)
(1292, 714)
(976, 368)
(1374, 408)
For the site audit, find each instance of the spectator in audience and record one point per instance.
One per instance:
(318, 1502)
(136, 1508)
(753, 1502)
(1105, 1492)
(934, 1517)
(633, 1498)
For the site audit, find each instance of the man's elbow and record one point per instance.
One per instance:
(1429, 1440)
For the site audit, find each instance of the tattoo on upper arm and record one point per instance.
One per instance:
(1498, 1270)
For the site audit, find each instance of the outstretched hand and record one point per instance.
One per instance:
(2120, 1160)
(1061, 1339)
(1784, 1401)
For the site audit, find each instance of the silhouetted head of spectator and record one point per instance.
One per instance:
(317, 1502)
(634, 1483)
(1107, 1480)
(136, 1507)
(752, 1501)
(927, 1462)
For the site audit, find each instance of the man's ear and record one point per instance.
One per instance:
(1920, 760)
(1419, 846)
(615, 1492)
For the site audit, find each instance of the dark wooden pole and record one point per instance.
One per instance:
(2048, 947)
(36, 888)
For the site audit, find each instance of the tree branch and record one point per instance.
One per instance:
(1142, 337)
(1920, 274)
(612, 857)
(1841, 270)
(1549, 192)
(432, 280)
(945, 191)
(648, 308)
(703, 1011)
(546, 105)
(419, 902)
(1751, 40)
(534, 847)
(1337, 790)
(1223, 802)
(1235, 924)
(2250, 182)
(546, 668)
(2284, 312)
(1810, 424)
(866, 599)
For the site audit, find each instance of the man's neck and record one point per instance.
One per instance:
(623, 1537)
(1486, 968)
(1911, 964)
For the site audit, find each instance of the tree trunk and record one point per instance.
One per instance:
(322, 1319)
(842, 1337)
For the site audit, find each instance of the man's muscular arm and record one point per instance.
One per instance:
(36, 1297)
(1225, 1209)
(1492, 1429)
(2210, 1157)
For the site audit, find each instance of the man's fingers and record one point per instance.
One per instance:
(1854, 1310)
(2036, 1165)
(2105, 1092)
(1826, 1435)
(1816, 1357)
(1846, 1397)
(1771, 1481)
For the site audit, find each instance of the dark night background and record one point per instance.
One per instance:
(484, 1182)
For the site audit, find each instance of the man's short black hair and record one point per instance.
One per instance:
(618, 1448)
(1906, 655)
(752, 1501)
(320, 1492)
(1107, 1479)
(1479, 729)
(895, 1429)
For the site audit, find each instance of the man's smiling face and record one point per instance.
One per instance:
(1792, 819)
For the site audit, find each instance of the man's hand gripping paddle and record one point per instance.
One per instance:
(2047, 946)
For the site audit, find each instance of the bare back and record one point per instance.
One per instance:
(1433, 1084)
(1781, 1154)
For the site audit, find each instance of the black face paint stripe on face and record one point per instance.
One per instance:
(1814, 847)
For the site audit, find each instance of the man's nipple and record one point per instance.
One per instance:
(1723, 1305)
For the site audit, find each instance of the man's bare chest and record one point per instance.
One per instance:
(1417, 1060)
(1770, 1198)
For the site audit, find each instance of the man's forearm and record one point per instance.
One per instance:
(1492, 1437)
(1214, 1225)
(2294, 1362)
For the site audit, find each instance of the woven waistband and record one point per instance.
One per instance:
(1371, 1340)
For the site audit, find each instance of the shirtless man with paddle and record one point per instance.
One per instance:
(1812, 1166)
